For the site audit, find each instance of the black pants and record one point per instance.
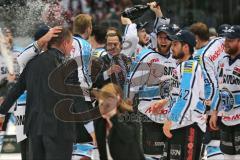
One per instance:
(153, 139)
(24, 145)
(230, 139)
(186, 143)
(50, 148)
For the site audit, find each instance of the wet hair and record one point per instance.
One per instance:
(63, 35)
(201, 30)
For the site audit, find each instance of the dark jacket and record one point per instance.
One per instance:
(123, 140)
(41, 99)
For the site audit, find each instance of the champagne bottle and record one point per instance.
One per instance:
(135, 11)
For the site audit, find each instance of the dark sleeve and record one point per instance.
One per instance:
(99, 78)
(14, 93)
(100, 131)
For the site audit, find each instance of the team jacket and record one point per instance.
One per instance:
(189, 107)
(229, 84)
(150, 80)
(131, 47)
(208, 57)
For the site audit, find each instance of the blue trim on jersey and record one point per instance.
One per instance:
(237, 99)
(30, 46)
(85, 53)
(183, 102)
(149, 92)
(22, 99)
(210, 92)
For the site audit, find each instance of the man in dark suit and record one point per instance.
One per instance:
(114, 65)
(110, 68)
(50, 138)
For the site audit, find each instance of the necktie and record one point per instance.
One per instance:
(121, 76)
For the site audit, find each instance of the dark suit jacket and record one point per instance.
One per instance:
(103, 64)
(41, 99)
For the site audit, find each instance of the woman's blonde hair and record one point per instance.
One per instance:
(113, 90)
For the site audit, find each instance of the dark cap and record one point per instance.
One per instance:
(41, 31)
(222, 29)
(165, 28)
(184, 36)
(232, 32)
(141, 25)
(175, 28)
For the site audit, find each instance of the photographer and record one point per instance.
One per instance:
(135, 35)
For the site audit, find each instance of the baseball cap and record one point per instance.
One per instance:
(222, 29)
(41, 31)
(141, 25)
(184, 36)
(165, 28)
(233, 32)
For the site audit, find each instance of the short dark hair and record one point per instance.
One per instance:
(201, 30)
(191, 48)
(99, 32)
(63, 35)
(113, 35)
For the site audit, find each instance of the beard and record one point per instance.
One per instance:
(231, 51)
(179, 56)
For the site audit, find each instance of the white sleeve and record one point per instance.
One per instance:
(130, 40)
(29, 53)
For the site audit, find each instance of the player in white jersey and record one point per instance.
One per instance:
(135, 35)
(149, 81)
(229, 84)
(186, 117)
(208, 53)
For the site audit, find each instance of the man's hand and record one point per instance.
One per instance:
(53, 32)
(155, 8)
(213, 120)
(158, 106)
(166, 128)
(125, 21)
(114, 69)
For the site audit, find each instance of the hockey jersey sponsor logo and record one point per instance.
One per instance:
(231, 118)
(217, 53)
(236, 71)
(230, 79)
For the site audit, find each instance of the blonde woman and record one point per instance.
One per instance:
(121, 134)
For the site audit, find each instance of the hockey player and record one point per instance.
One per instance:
(186, 117)
(152, 69)
(229, 84)
(208, 53)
